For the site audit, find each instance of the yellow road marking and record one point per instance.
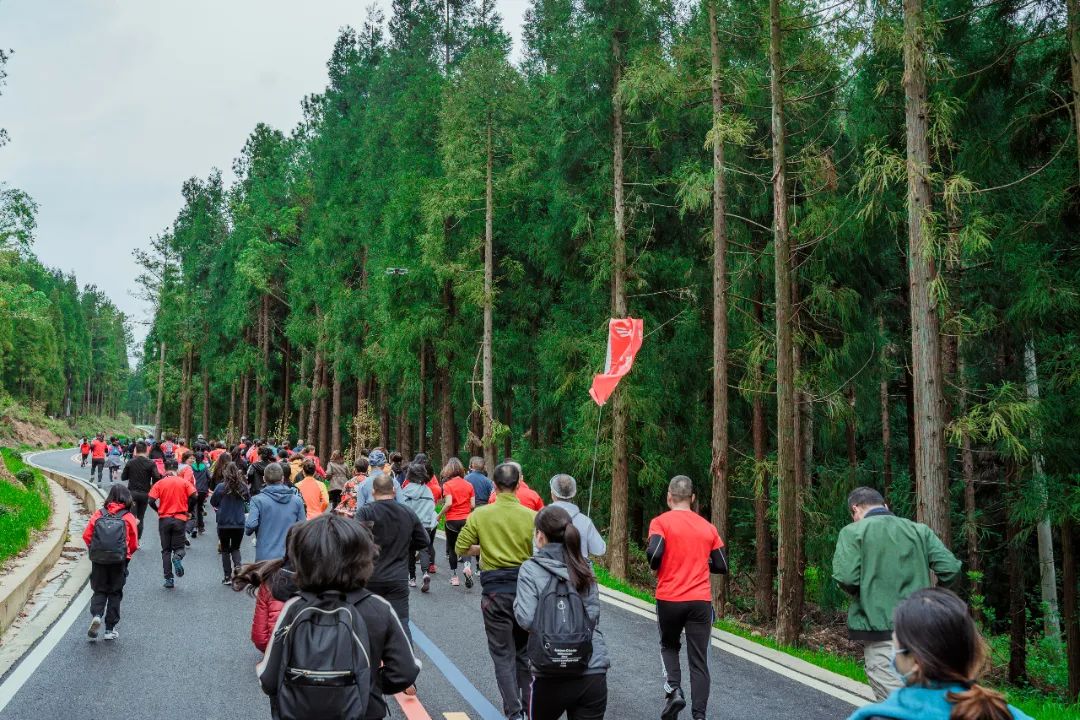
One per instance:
(455, 716)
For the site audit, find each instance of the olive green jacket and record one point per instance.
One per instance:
(882, 559)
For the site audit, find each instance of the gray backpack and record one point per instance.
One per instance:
(108, 544)
(560, 642)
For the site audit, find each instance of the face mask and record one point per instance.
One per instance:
(906, 677)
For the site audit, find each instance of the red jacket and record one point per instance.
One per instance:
(267, 609)
(528, 497)
(130, 520)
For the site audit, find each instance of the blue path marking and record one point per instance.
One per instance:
(474, 697)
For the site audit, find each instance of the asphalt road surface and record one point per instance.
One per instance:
(186, 653)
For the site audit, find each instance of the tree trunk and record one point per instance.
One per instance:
(323, 448)
(185, 395)
(335, 414)
(232, 412)
(763, 572)
(302, 419)
(264, 395)
(447, 435)
(286, 389)
(931, 481)
(313, 412)
(1073, 14)
(719, 465)
(404, 434)
(508, 418)
(886, 426)
(1015, 568)
(620, 471)
(421, 435)
(205, 401)
(967, 461)
(489, 303)
(1069, 605)
(245, 391)
(160, 391)
(787, 620)
(384, 416)
(1047, 569)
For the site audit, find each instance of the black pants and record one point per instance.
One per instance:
(507, 642)
(453, 529)
(107, 582)
(397, 594)
(99, 465)
(695, 619)
(230, 540)
(425, 556)
(171, 532)
(196, 505)
(84, 456)
(141, 501)
(581, 698)
(335, 498)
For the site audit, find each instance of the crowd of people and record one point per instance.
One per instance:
(337, 553)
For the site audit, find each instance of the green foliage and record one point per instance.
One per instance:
(23, 508)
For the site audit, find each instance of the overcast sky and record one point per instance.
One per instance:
(112, 104)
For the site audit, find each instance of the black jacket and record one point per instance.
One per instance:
(398, 533)
(140, 473)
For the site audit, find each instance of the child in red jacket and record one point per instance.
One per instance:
(271, 582)
(112, 537)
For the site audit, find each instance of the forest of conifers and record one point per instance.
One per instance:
(850, 229)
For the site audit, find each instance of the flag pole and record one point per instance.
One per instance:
(596, 449)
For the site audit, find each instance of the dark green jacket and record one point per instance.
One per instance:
(882, 559)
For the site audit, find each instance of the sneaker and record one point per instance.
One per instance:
(467, 572)
(170, 583)
(194, 534)
(454, 581)
(178, 566)
(111, 635)
(412, 582)
(432, 569)
(410, 691)
(674, 705)
(95, 625)
(187, 543)
(226, 581)
(426, 584)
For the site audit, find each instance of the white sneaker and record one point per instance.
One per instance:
(111, 635)
(95, 625)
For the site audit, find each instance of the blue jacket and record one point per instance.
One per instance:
(916, 702)
(482, 485)
(230, 509)
(271, 513)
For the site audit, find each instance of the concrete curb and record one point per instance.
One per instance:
(20, 580)
(91, 496)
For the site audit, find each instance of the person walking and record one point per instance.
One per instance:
(528, 497)
(312, 491)
(140, 473)
(879, 560)
(458, 501)
(502, 533)
(200, 470)
(111, 537)
(170, 497)
(272, 582)
(271, 513)
(684, 549)
(416, 495)
(337, 475)
(98, 449)
(84, 450)
(114, 459)
(230, 501)
(350, 493)
(482, 487)
(257, 469)
(580, 692)
(398, 533)
(563, 492)
(940, 654)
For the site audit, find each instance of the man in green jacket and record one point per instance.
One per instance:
(502, 534)
(880, 559)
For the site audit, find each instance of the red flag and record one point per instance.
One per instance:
(624, 340)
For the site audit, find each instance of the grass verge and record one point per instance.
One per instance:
(24, 506)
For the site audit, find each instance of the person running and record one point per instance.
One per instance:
(272, 582)
(98, 449)
(84, 450)
(398, 534)
(436, 492)
(684, 549)
(416, 495)
(458, 501)
(287, 468)
(337, 475)
(350, 494)
(312, 491)
(879, 560)
(582, 695)
(271, 513)
(257, 468)
(342, 577)
(111, 537)
(170, 498)
(940, 654)
(200, 470)
(563, 491)
(157, 455)
(140, 473)
(229, 500)
(482, 487)
(502, 533)
(528, 497)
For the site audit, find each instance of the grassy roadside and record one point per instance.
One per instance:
(24, 506)
(1031, 701)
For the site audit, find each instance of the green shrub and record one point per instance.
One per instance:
(24, 508)
(26, 477)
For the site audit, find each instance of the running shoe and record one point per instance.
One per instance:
(432, 569)
(178, 566)
(674, 705)
(467, 572)
(170, 583)
(95, 625)
(226, 581)
(412, 582)
(111, 634)
(426, 584)
(454, 582)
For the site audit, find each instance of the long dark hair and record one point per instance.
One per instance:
(331, 552)
(235, 484)
(424, 460)
(218, 474)
(277, 572)
(934, 626)
(120, 494)
(557, 527)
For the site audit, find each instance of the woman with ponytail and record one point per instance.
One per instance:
(581, 693)
(939, 656)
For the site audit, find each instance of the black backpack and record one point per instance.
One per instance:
(560, 642)
(108, 544)
(324, 672)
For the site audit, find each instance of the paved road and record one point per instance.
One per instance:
(186, 653)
